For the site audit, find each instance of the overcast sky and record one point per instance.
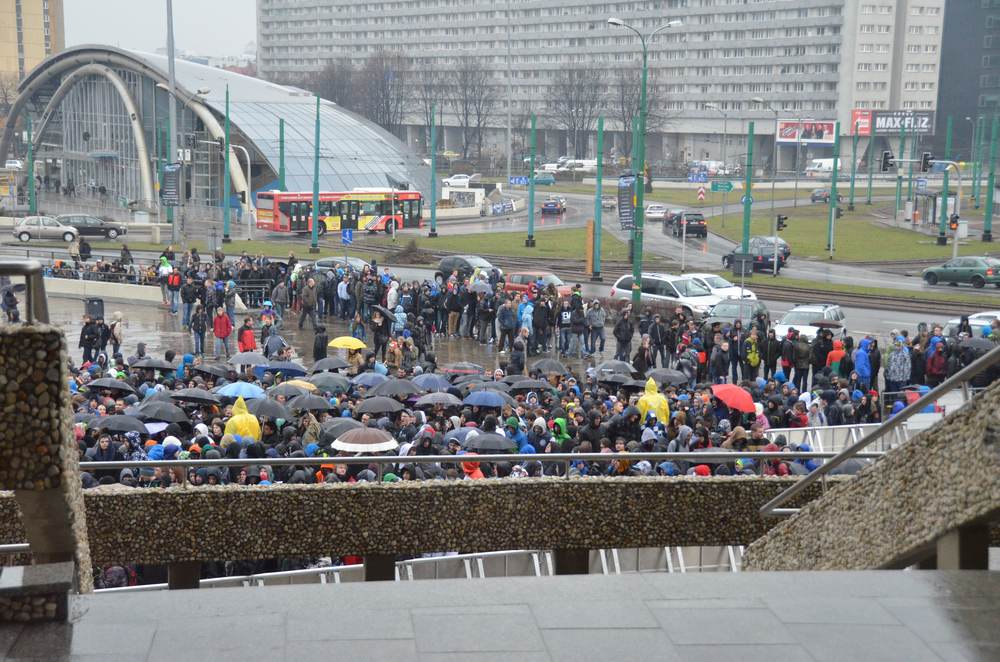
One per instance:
(205, 27)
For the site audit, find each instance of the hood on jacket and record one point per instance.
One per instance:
(651, 387)
(838, 344)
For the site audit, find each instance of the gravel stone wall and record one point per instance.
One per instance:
(234, 522)
(944, 477)
(29, 608)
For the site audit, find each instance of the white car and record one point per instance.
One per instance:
(670, 290)
(804, 318)
(977, 321)
(459, 181)
(14, 164)
(656, 213)
(719, 286)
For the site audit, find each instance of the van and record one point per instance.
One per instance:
(819, 167)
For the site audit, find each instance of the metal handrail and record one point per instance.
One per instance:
(959, 379)
(15, 548)
(37, 309)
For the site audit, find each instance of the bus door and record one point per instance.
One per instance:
(298, 218)
(411, 213)
(350, 212)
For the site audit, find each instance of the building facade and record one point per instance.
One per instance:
(30, 31)
(808, 59)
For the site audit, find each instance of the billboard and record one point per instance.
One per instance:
(890, 122)
(626, 201)
(805, 131)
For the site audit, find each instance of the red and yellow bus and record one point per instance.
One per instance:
(362, 209)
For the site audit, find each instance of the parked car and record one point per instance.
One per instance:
(520, 281)
(763, 256)
(91, 226)
(554, 204)
(330, 263)
(14, 164)
(730, 310)
(695, 224)
(807, 318)
(977, 271)
(544, 179)
(459, 181)
(44, 227)
(695, 299)
(722, 287)
(823, 195)
(609, 202)
(977, 321)
(656, 212)
(465, 265)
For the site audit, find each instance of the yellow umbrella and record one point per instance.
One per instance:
(301, 384)
(347, 342)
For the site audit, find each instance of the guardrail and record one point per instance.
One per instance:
(959, 380)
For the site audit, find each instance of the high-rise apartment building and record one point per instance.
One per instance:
(806, 59)
(30, 31)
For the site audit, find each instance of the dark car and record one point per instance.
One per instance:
(553, 205)
(92, 226)
(768, 241)
(465, 265)
(977, 271)
(823, 195)
(763, 257)
(691, 224)
(730, 310)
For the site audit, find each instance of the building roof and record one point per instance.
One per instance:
(354, 152)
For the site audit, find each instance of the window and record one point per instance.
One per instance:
(867, 28)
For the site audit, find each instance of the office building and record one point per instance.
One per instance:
(30, 31)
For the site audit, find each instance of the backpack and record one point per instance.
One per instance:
(753, 356)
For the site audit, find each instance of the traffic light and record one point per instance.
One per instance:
(840, 212)
(242, 195)
(782, 222)
(925, 161)
(222, 143)
(953, 222)
(887, 161)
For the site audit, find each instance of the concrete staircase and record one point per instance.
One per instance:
(929, 501)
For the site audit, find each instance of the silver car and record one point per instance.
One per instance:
(44, 227)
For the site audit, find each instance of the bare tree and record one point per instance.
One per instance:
(626, 94)
(472, 98)
(8, 92)
(574, 100)
(335, 82)
(429, 89)
(381, 87)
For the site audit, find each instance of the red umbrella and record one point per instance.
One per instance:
(735, 397)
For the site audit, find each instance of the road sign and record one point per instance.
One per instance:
(747, 198)
(626, 201)
(921, 184)
(347, 237)
(518, 180)
(170, 194)
(723, 186)
(701, 193)
(698, 177)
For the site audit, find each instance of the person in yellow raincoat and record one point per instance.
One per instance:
(243, 422)
(653, 401)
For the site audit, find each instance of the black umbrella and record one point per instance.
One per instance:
(310, 402)
(386, 313)
(397, 388)
(338, 426)
(83, 417)
(615, 366)
(438, 399)
(330, 381)
(248, 358)
(667, 376)
(287, 390)
(214, 369)
(637, 384)
(979, 344)
(489, 441)
(196, 395)
(119, 423)
(379, 405)
(614, 378)
(468, 379)
(461, 368)
(152, 364)
(524, 384)
(329, 363)
(489, 386)
(160, 396)
(267, 407)
(110, 384)
(513, 379)
(549, 367)
(160, 411)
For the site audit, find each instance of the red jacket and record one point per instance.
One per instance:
(221, 326)
(246, 341)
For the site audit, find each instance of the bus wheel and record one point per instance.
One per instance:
(321, 229)
(389, 226)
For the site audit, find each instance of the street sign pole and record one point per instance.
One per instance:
(854, 167)
(281, 154)
(225, 178)
(991, 182)
(747, 197)
(596, 274)
(833, 187)
(942, 238)
(909, 168)
(32, 201)
(899, 174)
(871, 165)
(314, 245)
(434, 184)
(530, 241)
(978, 164)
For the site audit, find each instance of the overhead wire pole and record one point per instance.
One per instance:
(977, 182)
(991, 182)
(942, 238)
(530, 240)
(871, 166)
(172, 113)
(433, 191)
(510, 93)
(598, 211)
(32, 200)
(225, 178)
(281, 154)
(899, 174)
(909, 169)
(854, 165)
(314, 246)
(833, 187)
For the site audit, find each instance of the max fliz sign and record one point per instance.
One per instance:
(891, 122)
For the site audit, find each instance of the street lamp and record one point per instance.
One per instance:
(641, 158)
(725, 164)
(774, 173)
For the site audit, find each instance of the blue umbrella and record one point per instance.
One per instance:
(460, 434)
(484, 399)
(286, 368)
(431, 382)
(244, 390)
(369, 379)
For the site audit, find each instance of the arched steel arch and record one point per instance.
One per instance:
(60, 63)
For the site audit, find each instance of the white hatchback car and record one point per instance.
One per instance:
(808, 318)
(721, 287)
(696, 299)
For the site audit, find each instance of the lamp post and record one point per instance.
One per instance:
(774, 158)
(725, 165)
(973, 128)
(172, 113)
(641, 157)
